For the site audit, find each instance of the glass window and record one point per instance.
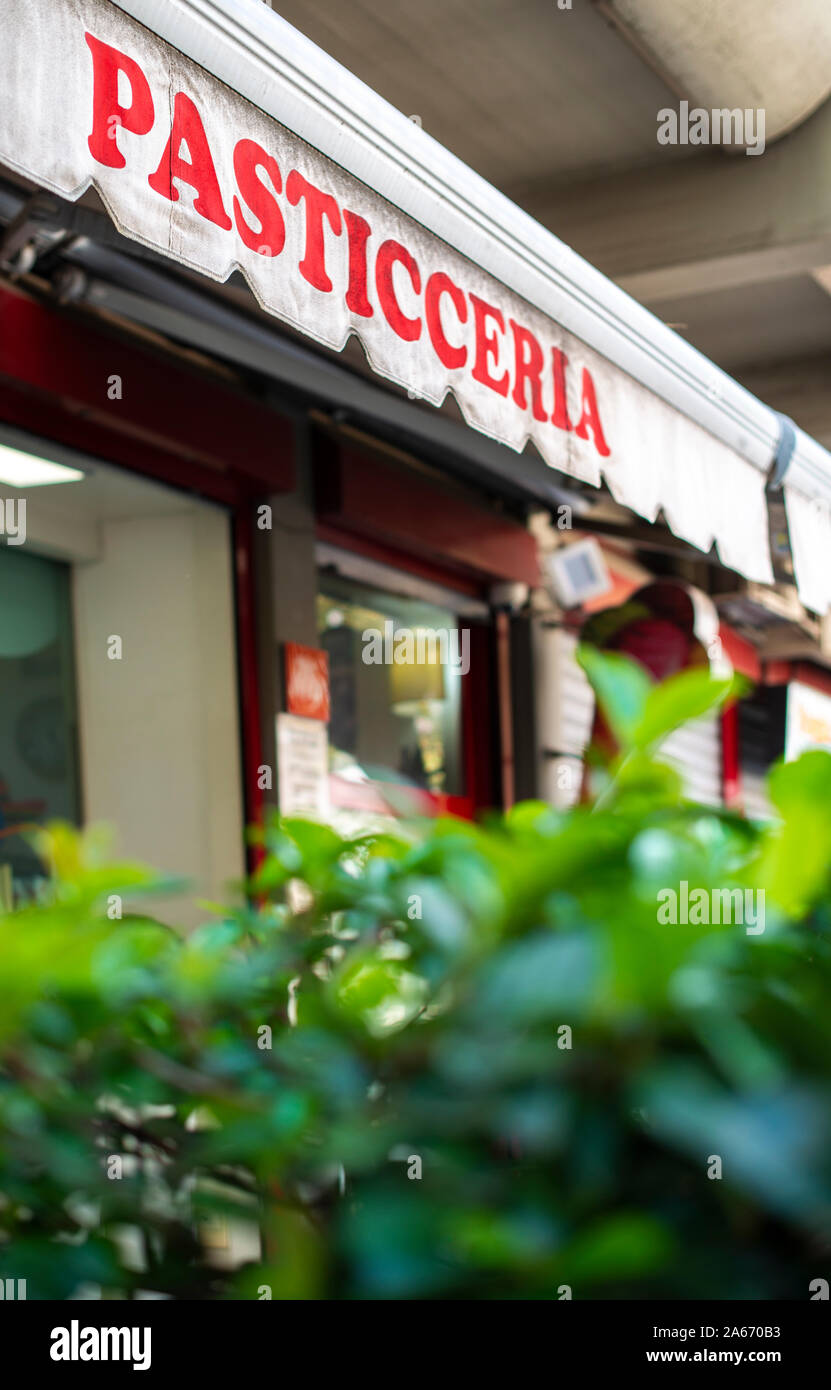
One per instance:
(395, 668)
(38, 765)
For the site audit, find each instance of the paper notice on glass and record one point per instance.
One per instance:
(302, 767)
(808, 720)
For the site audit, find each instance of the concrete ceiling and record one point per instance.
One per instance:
(559, 109)
(523, 92)
(744, 327)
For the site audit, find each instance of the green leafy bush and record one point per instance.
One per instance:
(456, 1061)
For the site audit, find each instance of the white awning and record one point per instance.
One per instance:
(367, 227)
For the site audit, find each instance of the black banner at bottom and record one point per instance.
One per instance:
(154, 1338)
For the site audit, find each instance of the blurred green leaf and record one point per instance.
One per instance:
(622, 688)
(688, 695)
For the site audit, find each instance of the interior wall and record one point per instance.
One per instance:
(159, 728)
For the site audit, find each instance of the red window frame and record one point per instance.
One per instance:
(477, 704)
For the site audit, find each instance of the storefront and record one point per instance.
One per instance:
(212, 250)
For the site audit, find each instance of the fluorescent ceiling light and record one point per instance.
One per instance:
(24, 470)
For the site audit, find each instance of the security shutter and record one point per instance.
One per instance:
(695, 751)
(565, 715)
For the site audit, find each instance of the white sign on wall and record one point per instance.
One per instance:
(302, 767)
(185, 165)
(807, 720)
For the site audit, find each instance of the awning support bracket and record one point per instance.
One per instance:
(784, 450)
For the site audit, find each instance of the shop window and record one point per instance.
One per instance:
(156, 759)
(396, 666)
(38, 765)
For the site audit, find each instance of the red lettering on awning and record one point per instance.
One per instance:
(529, 364)
(589, 424)
(487, 345)
(198, 172)
(559, 415)
(255, 188)
(318, 205)
(358, 231)
(249, 159)
(107, 112)
(437, 285)
(392, 253)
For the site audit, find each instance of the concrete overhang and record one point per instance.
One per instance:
(748, 54)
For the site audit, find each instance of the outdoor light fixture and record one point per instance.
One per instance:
(578, 572)
(19, 469)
